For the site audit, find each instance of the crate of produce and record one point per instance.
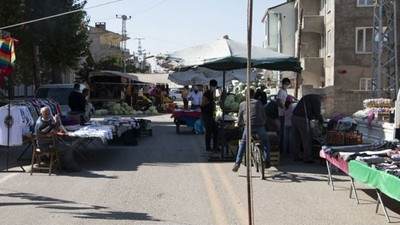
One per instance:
(353, 138)
(344, 138)
(275, 158)
(336, 137)
(273, 141)
(230, 133)
(384, 116)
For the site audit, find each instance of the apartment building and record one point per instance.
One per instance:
(333, 39)
(105, 43)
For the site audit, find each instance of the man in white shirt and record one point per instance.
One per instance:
(195, 97)
(280, 101)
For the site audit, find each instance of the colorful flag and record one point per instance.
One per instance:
(7, 56)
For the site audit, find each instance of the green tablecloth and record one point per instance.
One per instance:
(386, 183)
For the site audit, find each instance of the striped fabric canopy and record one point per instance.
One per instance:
(7, 56)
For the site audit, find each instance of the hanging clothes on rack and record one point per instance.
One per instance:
(21, 120)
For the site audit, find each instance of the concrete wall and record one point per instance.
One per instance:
(310, 7)
(339, 101)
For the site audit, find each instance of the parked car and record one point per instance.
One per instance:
(175, 94)
(59, 93)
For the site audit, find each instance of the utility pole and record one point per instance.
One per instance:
(124, 38)
(141, 52)
(384, 65)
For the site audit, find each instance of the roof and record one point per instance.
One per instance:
(271, 8)
(155, 78)
(150, 78)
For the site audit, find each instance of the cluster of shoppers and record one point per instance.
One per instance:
(290, 119)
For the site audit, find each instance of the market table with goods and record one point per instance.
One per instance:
(111, 131)
(375, 164)
(185, 117)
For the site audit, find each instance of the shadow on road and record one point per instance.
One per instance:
(71, 207)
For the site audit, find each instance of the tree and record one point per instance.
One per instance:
(65, 39)
(112, 62)
(84, 71)
(11, 11)
(48, 47)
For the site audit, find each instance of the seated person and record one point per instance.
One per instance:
(45, 127)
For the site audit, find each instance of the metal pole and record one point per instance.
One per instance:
(124, 19)
(248, 123)
(298, 53)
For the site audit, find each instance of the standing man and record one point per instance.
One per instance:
(76, 100)
(261, 95)
(258, 120)
(195, 97)
(308, 108)
(280, 101)
(185, 93)
(207, 114)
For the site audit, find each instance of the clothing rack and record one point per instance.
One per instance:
(8, 122)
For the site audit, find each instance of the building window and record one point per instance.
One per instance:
(329, 43)
(365, 84)
(364, 39)
(363, 3)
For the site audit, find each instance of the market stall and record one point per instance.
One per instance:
(377, 154)
(375, 121)
(228, 136)
(185, 117)
(374, 175)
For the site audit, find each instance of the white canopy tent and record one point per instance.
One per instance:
(202, 76)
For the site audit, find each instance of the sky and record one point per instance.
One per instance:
(170, 25)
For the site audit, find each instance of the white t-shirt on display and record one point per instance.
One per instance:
(15, 135)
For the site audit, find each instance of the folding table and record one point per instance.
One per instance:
(378, 179)
(185, 117)
(340, 164)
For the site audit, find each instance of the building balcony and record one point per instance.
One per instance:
(313, 24)
(313, 64)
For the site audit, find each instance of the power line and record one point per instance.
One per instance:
(158, 39)
(57, 15)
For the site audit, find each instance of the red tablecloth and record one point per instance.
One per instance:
(338, 162)
(191, 113)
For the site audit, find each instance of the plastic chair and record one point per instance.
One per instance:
(51, 153)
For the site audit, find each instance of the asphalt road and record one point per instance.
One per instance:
(167, 179)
